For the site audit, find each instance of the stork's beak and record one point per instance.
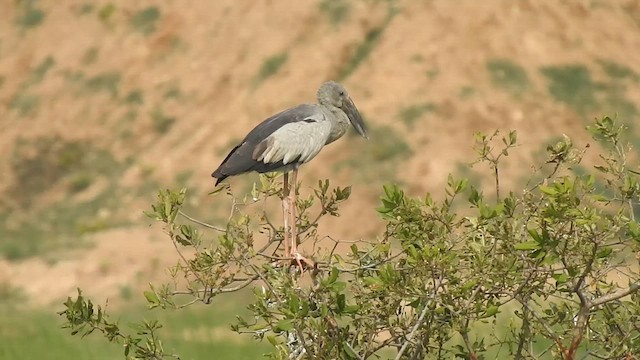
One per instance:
(355, 118)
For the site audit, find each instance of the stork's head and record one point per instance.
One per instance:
(334, 94)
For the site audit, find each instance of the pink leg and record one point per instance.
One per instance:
(294, 223)
(286, 209)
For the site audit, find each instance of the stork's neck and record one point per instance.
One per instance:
(339, 122)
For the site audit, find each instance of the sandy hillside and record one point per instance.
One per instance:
(101, 103)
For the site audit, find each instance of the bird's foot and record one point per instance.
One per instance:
(302, 261)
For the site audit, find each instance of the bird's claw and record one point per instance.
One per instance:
(300, 260)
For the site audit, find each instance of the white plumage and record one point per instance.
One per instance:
(299, 141)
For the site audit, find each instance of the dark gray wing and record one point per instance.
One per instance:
(241, 158)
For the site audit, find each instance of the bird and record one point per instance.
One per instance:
(289, 139)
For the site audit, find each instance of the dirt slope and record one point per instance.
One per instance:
(164, 89)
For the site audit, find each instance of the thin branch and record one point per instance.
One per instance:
(549, 330)
(497, 177)
(353, 351)
(616, 295)
(524, 333)
(412, 332)
(467, 343)
(240, 286)
(209, 226)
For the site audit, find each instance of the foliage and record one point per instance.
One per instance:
(410, 114)
(161, 121)
(370, 41)
(30, 16)
(336, 10)
(24, 102)
(379, 159)
(28, 333)
(145, 20)
(508, 76)
(543, 273)
(270, 67)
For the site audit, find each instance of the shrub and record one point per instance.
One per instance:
(541, 273)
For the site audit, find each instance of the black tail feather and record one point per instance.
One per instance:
(219, 177)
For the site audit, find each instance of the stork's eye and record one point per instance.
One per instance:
(341, 93)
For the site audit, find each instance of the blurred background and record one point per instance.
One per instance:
(102, 103)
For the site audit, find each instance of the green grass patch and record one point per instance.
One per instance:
(40, 71)
(337, 11)
(508, 76)
(106, 12)
(31, 227)
(410, 114)
(270, 66)
(38, 164)
(90, 56)
(362, 51)
(145, 21)
(195, 333)
(60, 225)
(467, 92)
(572, 85)
(108, 82)
(24, 102)
(618, 71)
(432, 74)
(134, 97)
(29, 15)
(84, 9)
(370, 41)
(379, 157)
(162, 123)
(173, 93)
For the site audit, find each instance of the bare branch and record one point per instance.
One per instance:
(411, 333)
(541, 321)
(209, 226)
(633, 288)
(240, 286)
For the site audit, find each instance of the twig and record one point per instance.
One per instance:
(467, 343)
(550, 332)
(353, 351)
(240, 286)
(200, 222)
(412, 332)
(616, 295)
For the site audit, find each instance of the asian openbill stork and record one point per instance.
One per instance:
(289, 139)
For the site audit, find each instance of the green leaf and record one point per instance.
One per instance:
(294, 303)
(333, 276)
(351, 309)
(340, 302)
(304, 309)
(284, 325)
(534, 234)
(560, 278)
(469, 285)
(375, 281)
(527, 245)
(272, 340)
(151, 297)
(513, 137)
(491, 311)
(339, 286)
(604, 252)
(548, 190)
(634, 230)
(348, 351)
